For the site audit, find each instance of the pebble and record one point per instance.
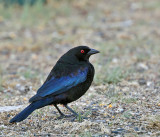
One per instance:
(118, 136)
(136, 128)
(142, 67)
(142, 81)
(100, 121)
(24, 128)
(94, 109)
(119, 131)
(115, 132)
(23, 89)
(9, 108)
(119, 110)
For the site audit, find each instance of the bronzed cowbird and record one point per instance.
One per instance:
(69, 79)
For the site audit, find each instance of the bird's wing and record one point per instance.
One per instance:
(59, 85)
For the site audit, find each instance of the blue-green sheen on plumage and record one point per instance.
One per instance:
(68, 80)
(57, 86)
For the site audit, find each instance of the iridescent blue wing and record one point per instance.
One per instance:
(57, 86)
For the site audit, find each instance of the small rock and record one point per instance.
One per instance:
(115, 132)
(143, 98)
(105, 129)
(115, 60)
(142, 67)
(23, 89)
(142, 81)
(136, 128)
(24, 128)
(119, 110)
(27, 88)
(9, 108)
(119, 131)
(150, 133)
(95, 109)
(100, 121)
(3, 126)
(150, 84)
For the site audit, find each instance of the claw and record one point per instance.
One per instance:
(79, 118)
(65, 116)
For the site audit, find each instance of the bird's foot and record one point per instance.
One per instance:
(79, 118)
(60, 117)
(65, 116)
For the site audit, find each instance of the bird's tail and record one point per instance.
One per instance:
(29, 109)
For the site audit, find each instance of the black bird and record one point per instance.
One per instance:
(69, 79)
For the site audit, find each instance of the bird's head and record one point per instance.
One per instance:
(80, 53)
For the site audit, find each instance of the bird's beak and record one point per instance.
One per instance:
(92, 51)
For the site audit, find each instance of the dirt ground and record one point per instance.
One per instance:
(124, 99)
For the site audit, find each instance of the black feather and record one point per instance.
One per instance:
(69, 79)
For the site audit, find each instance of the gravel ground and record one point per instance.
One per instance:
(124, 99)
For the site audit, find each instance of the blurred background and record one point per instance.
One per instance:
(35, 33)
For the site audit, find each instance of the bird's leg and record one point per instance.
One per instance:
(60, 112)
(62, 115)
(76, 115)
(71, 110)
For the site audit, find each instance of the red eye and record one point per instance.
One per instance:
(82, 51)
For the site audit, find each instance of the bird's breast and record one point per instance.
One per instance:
(76, 92)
